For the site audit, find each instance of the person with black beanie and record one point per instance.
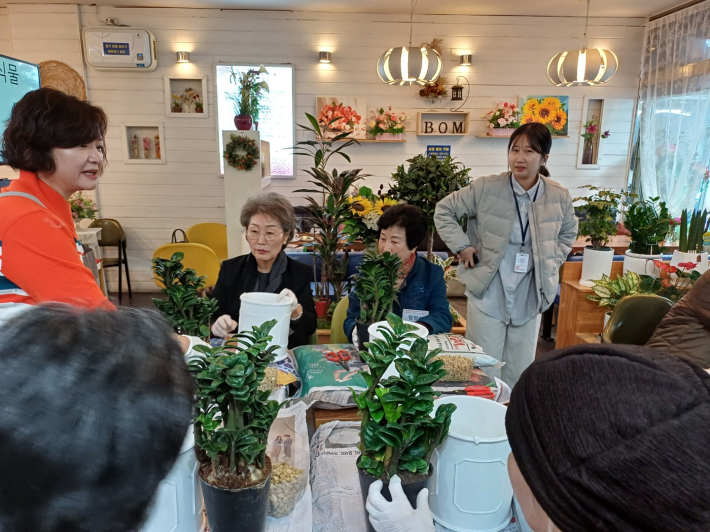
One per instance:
(611, 438)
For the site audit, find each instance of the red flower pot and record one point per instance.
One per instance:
(322, 306)
(243, 122)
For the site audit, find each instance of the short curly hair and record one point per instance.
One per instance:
(410, 217)
(46, 119)
(271, 204)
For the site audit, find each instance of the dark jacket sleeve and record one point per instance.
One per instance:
(439, 318)
(352, 316)
(222, 290)
(306, 325)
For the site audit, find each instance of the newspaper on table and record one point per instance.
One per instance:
(288, 442)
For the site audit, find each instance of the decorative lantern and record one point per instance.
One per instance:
(457, 93)
(406, 65)
(582, 67)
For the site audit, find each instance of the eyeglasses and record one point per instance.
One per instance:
(269, 236)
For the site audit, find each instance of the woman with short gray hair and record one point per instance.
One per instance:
(269, 223)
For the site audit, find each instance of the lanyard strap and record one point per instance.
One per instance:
(523, 230)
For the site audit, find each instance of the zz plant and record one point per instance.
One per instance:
(376, 285)
(232, 417)
(397, 431)
(187, 312)
(648, 222)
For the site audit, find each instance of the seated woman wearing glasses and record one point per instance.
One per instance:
(269, 223)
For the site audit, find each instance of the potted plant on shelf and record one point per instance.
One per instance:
(690, 243)
(387, 125)
(232, 422)
(185, 310)
(376, 288)
(398, 433)
(591, 130)
(647, 222)
(82, 208)
(503, 120)
(608, 292)
(427, 181)
(332, 208)
(366, 207)
(199, 104)
(177, 104)
(599, 225)
(247, 100)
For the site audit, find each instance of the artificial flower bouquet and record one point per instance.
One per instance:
(347, 115)
(366, 207)
(386, 121)
(82, 207)
(504, 116)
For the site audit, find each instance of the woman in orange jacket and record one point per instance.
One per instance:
(57, 143)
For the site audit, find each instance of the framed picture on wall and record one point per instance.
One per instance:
(551, 111)
(351, 110)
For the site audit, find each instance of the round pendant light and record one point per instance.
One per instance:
(582, 67)
(407, 65)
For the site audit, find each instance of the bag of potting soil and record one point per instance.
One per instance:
(328, 382)
(290, 508)
(455, 344)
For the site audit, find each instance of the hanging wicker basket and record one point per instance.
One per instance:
(61, 76)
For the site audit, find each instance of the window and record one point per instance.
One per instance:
(276, 120)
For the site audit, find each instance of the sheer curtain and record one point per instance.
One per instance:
(675, 107)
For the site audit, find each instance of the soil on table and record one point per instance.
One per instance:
(410, 478)
(232, 482)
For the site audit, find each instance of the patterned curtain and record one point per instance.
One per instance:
(675, 108)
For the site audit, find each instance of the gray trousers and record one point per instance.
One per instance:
(514, 345)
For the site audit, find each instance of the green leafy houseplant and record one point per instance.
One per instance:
(600, 224)
(232, 417)
(680, 279)
(691, 232)
(427, 181)
(332, 209)
(376, 285)
(248, 100)
(187, 312)
(608, 292)
(397, 432)
(648, 222)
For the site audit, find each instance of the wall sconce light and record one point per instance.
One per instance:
(457, 93)
(465, 60)
(324, 57)
(183, 57)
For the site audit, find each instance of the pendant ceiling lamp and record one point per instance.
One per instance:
(582, 67)
(406, 65)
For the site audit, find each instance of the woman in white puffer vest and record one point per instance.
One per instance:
(521, 227)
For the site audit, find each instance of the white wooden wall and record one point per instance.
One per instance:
(509, 59)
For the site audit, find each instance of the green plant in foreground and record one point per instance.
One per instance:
(608, 292)
(187, 312)
(691, 233)
(232, 417)
(397, 432)
(376, 285)
(600, 224)
(648, 222)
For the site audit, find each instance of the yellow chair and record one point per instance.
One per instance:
(337, 334)
(212, 235)
(198, 257)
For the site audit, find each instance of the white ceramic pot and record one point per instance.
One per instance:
(389, 136)
(500, 132)
(701, 259)
(642, 264)
(595, 264)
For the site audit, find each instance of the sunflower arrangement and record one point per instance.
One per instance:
(549, 111)
(366, 208)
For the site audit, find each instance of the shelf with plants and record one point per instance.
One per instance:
(508, 136)
(143, 143)
(186, 97)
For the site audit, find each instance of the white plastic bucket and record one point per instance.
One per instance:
(470, 489)
(260, 307)
(178, 504)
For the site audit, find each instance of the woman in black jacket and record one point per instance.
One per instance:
(269, 224)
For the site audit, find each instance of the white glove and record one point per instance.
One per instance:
(187, 343)
(294, 300)
(223, 326)
(355, 336)
(398, 515)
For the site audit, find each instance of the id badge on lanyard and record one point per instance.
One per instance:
(522, 259)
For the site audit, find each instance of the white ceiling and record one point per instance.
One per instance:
(552, 8)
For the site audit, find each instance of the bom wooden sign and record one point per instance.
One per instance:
(433, 123)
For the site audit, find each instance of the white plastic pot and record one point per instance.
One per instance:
(178, 503)
(259, 307)
(595, 264)
(642, 264)
(470, 489)
(701, 259)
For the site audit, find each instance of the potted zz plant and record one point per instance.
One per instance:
(376, 288)
(400, 430)
(232, 422)
(599, 226)
(648, 222)
(690, 244)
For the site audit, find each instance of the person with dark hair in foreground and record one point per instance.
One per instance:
(94, 407)
(422, 289)
(57, 144)
(604, 438)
